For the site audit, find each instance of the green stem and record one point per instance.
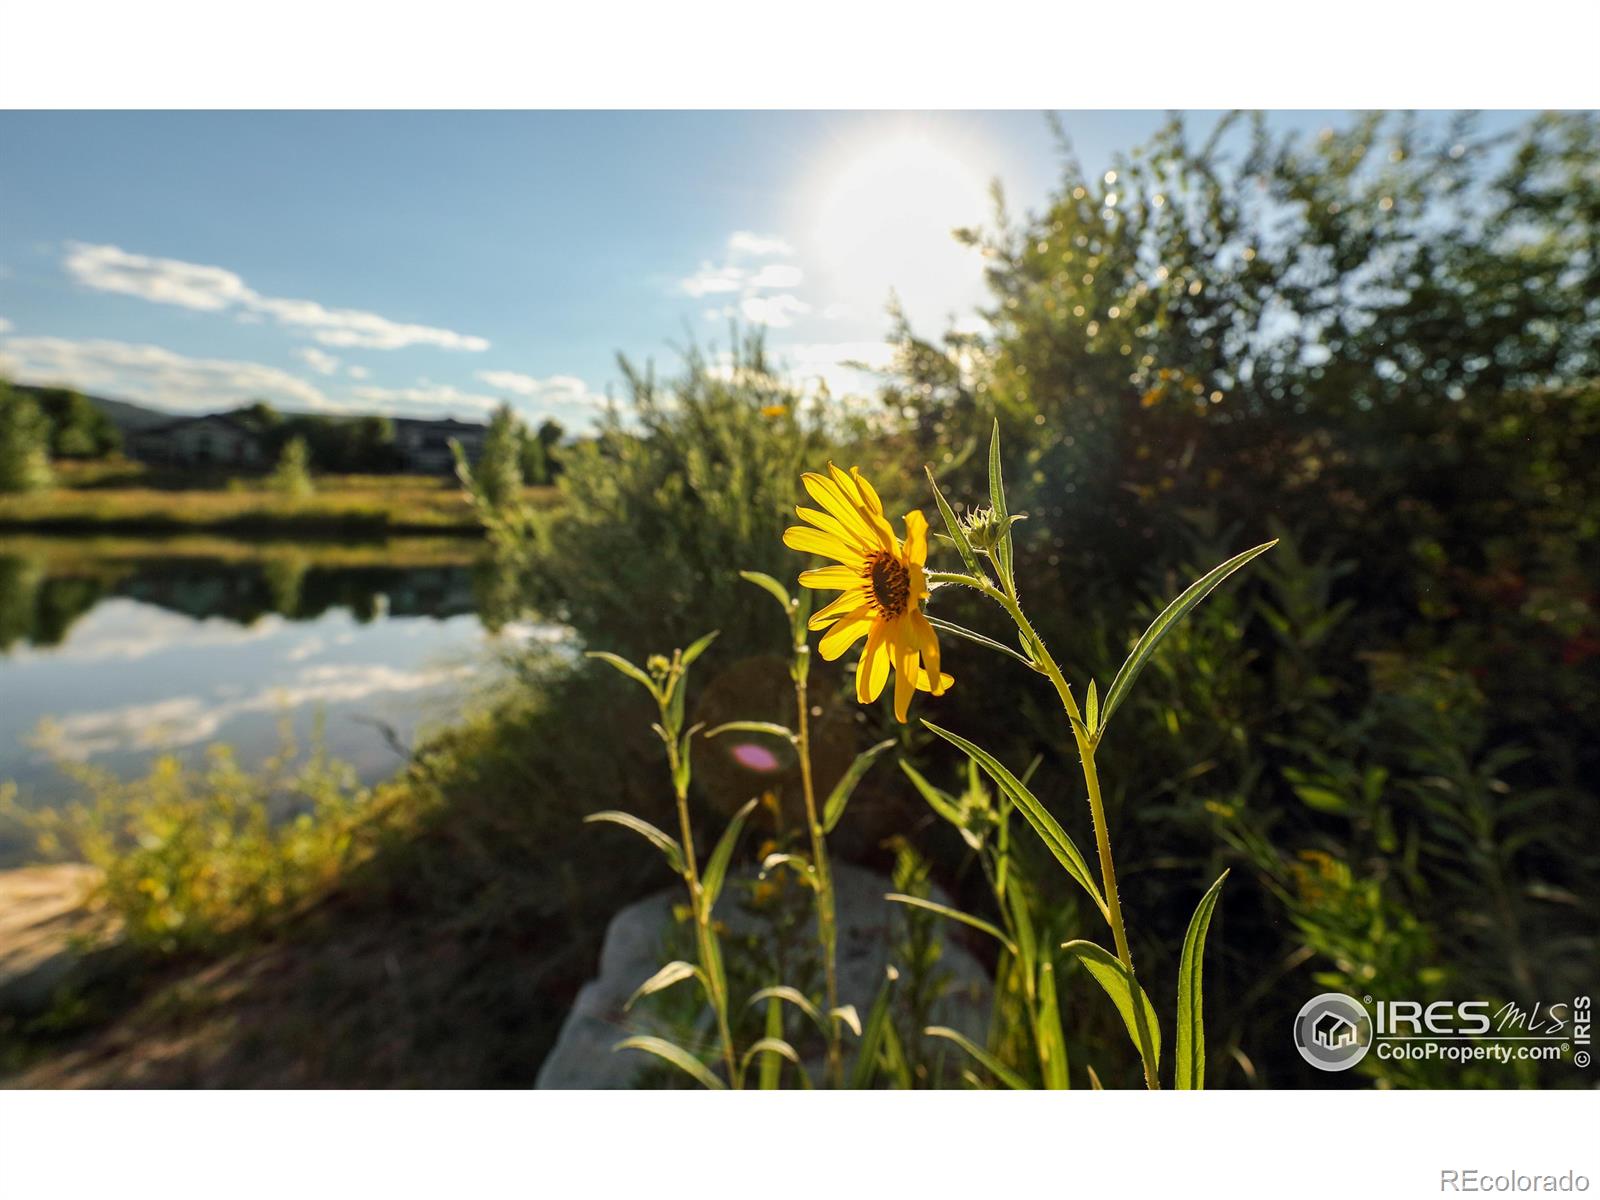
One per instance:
(827, 932)
(1091, 778)
(702, 918)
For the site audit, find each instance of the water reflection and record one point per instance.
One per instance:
(116, 650)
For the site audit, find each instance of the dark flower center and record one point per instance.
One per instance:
(891, 584)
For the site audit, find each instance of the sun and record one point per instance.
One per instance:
(881, 218)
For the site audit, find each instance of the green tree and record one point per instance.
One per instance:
(78, 429)
(24, 443)
(292, 475)
(495, 480)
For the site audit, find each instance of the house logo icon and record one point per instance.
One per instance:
(1333, 1032)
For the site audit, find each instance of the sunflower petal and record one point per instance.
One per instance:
(916, 537)
(814, 541)
(868, 493)
(829, 524)
(840, 606)
(831, 578)
(854, 487)
(846, 632)
(905, 671)
(872, 672)
(926, 640)
(924, 684)
(826, 493)
(847, 484)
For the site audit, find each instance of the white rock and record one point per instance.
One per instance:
(583, 1058)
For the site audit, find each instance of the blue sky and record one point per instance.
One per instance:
(434, 263)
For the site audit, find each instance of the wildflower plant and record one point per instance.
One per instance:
(820, 821)
(884, 583)
(666, 679)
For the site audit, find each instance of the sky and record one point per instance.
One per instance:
(431, 264)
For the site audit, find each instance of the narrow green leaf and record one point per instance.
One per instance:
(676, 1055)
(714, 968)
(895, 1064)
(866, 1065)
(772, 1065)
(997, 501)
(1046, 826)
(1091, 708)
(971, 636)
(699, 647)
(1094, 1080)
(1111, 975)
(1052, 1042)
(769, 1045)
(627, 668)
(717, 864)
(958, 535)
(673, 972)
(840, 796)
(795, 863)
(659, 840)
(794, 996)
(942, 802)
(771, 727)
(772, 587)
(1191, 1065)
(955, 914)
(1163, 625)
(1022, 923)
(997, 1068)
(847, 1014)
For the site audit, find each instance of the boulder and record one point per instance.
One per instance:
(51, 936)
(582, 1056)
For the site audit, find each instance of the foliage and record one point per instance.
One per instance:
(686, 485)
(198, 859)
(495, 481)
(78, 429)
(292, 475)
(24, 443)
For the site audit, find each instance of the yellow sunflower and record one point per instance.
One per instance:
(882, 584)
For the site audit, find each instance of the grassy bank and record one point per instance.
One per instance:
(127, 498)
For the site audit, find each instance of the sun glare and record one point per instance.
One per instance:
(882, 218)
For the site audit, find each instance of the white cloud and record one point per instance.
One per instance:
(6, 326)
(319, 361)
(357, 372)
(161, 280)
(188, 720)
(556, 391)
(846, 367)
(752, 284)
(214, 289)
(737, 275)
(776, 311)
(758, 245)
(710, 280)
(156, 375)
(427, 399)
(777, 275)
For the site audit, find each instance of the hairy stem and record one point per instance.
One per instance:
(1091, 777)
(827, 932)
(702, 920)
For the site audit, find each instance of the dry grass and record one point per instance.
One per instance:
(124, 497)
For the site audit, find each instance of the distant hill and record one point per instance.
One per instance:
(134, 418)
(127, 417)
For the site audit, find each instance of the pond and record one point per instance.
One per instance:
(113, 651)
